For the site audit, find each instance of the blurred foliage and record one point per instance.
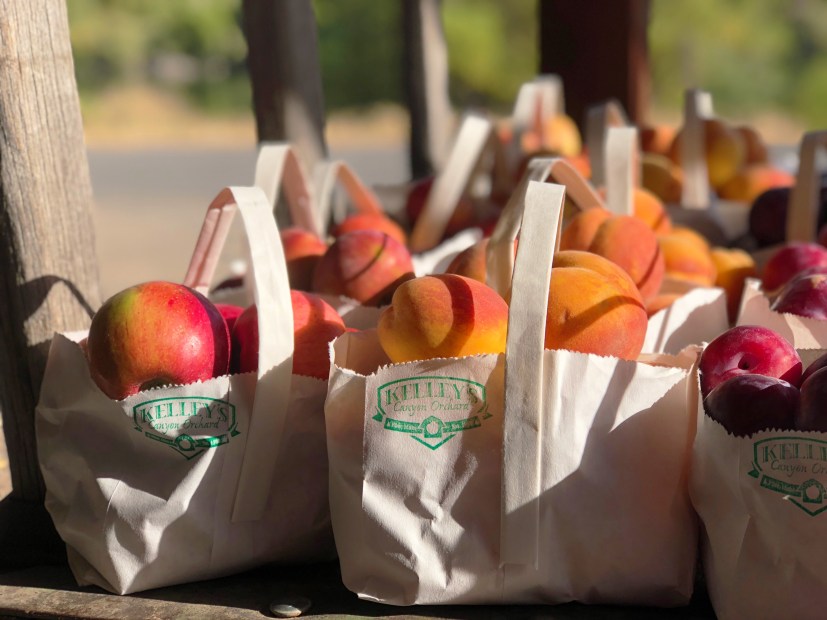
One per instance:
(752, 55)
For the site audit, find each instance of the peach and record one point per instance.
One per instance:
(656, 138)
(624, 240)
(302, 250)
(471, 262)
(581, 163)
(315, 324)
(561, 135)
(753, 180)
(724, 149)
(687, 261)
(691, 235)
(371, 221)
(648, 208)
(594, 307)
(661, 177)
(365, 265)
(443, 315)
(733, 267)
(756, 148)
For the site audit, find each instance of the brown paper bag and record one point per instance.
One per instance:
(763, 504)
(498, 478)
(144, 498)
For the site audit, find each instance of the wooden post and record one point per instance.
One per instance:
(426, 85)
(600, 51)
(48, 271)
(286, 78)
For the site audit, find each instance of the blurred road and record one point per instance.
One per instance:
(149, 204)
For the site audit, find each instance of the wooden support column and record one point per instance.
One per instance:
(48, 270)
(600, 51)
(285, 73)
(426, 85)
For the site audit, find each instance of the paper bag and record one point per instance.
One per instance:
(763, 504)
(499, 478)
(802, 217)
(191, 482)
(720, 221)
(700, 313)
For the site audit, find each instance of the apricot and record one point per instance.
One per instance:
(648, 208)
(443, 315)
(753, 180)
(625, 240)
(691, 235)
(371, 221)
(756, 148)
(656, 138)
(594, 307)
(724, 150)
(661, 177)
(687, 261)
(733, 266)
(471, 262)
(561, 135)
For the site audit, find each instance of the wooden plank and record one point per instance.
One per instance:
(48, 272)
(50, 592)
(600, 51)
(426, 85)
(285, 73)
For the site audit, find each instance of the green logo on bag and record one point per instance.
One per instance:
(190, 425)
(795, 467)
(431, 409)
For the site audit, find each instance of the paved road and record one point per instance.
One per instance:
(149, 204)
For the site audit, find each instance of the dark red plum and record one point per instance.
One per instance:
(748, 403)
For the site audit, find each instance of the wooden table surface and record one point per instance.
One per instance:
(35, 582)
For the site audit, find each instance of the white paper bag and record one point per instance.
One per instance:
(763, 504)
(191, 482)
(530, 477)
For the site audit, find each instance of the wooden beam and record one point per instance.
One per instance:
(48, 271)
(426, 85)
(283, 61)
(600, 51)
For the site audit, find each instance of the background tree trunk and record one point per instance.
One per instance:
(426, 85)
(48, 269)
(285, 74)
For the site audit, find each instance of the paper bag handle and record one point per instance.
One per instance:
(623, 170)
(523, 417)
(599, 118)
(327, 175)
(275, 352)
(697, 107)
(474, 136)
(278, 163)
(802, 211)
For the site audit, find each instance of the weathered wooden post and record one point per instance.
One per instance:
(48, 270)
(285, 74)
(426, 85)
(600, 51)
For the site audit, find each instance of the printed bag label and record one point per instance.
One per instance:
(431, 410)
(190, 425)
(795, 467)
